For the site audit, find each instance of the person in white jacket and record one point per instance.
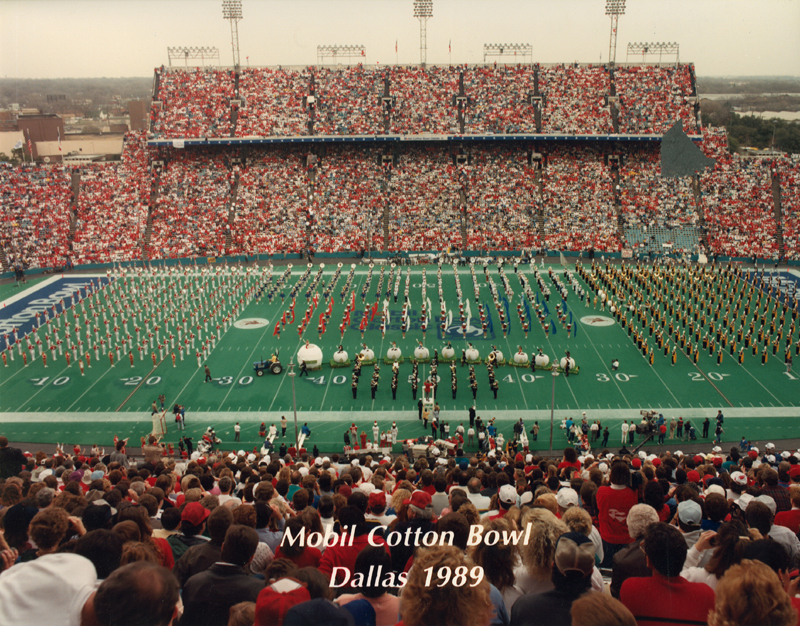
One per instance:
(727, 544)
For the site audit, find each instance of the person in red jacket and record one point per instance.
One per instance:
(300, 554)
(613, 503)
(791, 519)
(665, 597)
(344, 556)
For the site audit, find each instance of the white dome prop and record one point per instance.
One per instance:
(472, 354)
(564, 363)
(542, 360)
(394, 354)
(448, 352)
(367, 354)
(421, 352)
(310, 354)
(520, 357)
(498, 355)
(340, 356)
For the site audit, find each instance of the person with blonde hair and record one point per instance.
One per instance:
(535, 573)
(498, 559)
(750, 593)
(423, 602)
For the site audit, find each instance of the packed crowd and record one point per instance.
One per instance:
(272, 102)
(578, 201)
(790, 207)
(498, 99)
(574, 99)
(649, 201)
(346, 209)
(191, 213)
(36, 205)
(652, 98)
(112, 206)
(423, 191)
(213, 539)
(272, 195)
(288, 200)
(193, 103)
(503, 200)
(739, 208)
(348, 101)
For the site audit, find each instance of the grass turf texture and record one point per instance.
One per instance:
(57, 404)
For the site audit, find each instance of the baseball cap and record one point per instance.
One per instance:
(693, 476)
(377, 499)
(275, 600)
(419, 499)
(715, 489)
(195, 513)
(507, 494)
(744, 500)
(636, 463)
(769, 501)
(526, 498)
(689, 512)
(574, 553)
(739, 478)
(567, 498)
(753, 454)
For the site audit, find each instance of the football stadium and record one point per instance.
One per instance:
(478, 343)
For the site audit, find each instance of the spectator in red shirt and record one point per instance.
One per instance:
(791, 519)
(300, 554)
(570, 460)
(613, 503)
(666, 597)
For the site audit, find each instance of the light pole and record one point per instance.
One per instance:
(294, 405)
(552, 410)
(614, 8)
(423, 10)
(232, 10)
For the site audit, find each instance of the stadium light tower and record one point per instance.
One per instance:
(232, 10)
(614, 8)
(423, 10)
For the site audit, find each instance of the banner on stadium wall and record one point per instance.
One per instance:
(627, 253)
(177, 143)
(211, 259)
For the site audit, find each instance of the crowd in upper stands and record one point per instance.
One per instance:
(208, 538)
(573, 99)
(790, 205)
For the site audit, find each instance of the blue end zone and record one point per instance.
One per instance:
(21, 314)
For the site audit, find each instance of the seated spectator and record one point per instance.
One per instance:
(209, 595)
(598, 609)
(665, 595)
(298, 553)
(751, 593)
(613, 503)
(572, 577)
(200, 557)
(424, 602)
(791, 519)
(630, 562)
(727, 546)
(386, 605)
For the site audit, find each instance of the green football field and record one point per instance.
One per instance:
(58, 403)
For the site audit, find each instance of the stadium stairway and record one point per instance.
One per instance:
(385, 225)
(462, 198)
(148, 231)
(776, 197)
(75, 183)
(232, 212)
(701, 218)
(537, 109)
(540, 215)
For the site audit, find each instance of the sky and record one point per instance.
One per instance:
(121, 38)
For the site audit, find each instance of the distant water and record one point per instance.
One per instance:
(783, 115)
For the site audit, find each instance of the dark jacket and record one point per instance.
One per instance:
(628, 563)
(208, 596)
(195, 560)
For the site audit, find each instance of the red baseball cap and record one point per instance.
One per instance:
(377, 498)
(656, 461)
(693, 476)
(274, 600)
(419, 499)
(195, 513)
(637, 463)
